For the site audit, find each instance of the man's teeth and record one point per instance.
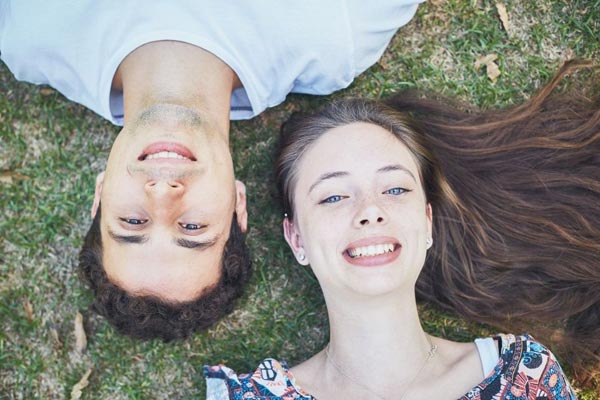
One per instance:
(371, 250)
(165, 154)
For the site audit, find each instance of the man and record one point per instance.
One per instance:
(165, 254)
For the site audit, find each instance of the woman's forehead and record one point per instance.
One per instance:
(356, 146)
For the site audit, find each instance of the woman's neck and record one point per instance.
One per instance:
(384, 331)
(378, 350)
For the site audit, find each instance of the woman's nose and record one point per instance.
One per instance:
(367, 221)
(370, 213)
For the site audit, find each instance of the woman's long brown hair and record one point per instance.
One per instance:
(516, 200)
(521, 248)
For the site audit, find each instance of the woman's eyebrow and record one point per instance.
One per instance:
(338, 174)
(328, 175)
(397, 167)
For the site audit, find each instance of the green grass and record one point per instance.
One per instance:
(55, 148)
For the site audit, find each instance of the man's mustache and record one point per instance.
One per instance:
(165, 172)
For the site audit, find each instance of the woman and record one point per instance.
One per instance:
(492, 215)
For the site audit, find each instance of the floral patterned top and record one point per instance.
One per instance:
(526, 370)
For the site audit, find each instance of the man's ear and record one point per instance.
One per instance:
(292, 237)
(240, 205)
(97, 193)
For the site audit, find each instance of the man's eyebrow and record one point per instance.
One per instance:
(192, 244)
(124, 239)
(396, 167)
(328, 175)
(139, 239)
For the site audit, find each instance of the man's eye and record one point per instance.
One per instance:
(396, 191)
(332, 199)
(134, 221)
(190, 227)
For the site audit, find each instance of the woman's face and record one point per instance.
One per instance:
(361, 216)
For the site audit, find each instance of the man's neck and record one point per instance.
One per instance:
(168, 72)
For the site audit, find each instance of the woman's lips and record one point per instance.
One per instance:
(372, 252)
(161, 150)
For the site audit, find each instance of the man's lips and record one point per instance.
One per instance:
(166, 151)
(372, 252)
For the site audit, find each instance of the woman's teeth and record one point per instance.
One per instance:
(165, 154)
(371, 250)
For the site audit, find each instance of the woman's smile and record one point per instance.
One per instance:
(372, 251)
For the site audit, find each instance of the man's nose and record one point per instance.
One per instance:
(164, 190)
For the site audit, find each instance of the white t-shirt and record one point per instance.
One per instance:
(488, 354)
(275, 47)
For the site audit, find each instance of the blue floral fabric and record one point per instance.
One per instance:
(526, 370)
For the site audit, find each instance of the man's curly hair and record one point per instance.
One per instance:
(149, 317)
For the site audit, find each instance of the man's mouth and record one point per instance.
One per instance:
(164, 154)
(166, 151)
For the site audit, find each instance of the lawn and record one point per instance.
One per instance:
(52, 149)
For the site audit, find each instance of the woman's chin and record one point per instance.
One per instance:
(381, 285)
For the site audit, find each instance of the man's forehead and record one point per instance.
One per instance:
(170, 272)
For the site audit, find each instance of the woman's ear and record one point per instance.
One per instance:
(294, 240)
(97, 194)
(429, 214)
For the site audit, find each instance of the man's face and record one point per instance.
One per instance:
(167, 198)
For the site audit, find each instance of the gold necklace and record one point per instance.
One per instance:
(430, 355)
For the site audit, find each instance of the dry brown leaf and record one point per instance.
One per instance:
(503, 14)
(483, 60)
(383, 63)
(55, 339)
(493, 72)
(28, 310)
(46, 91)
(80, 338)
(79, 386)
(9, 176)
(138, 358)
(568, 54)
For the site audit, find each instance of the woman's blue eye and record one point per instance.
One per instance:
(190, 227)
(134, 221)
(395, 191)
(332, 199)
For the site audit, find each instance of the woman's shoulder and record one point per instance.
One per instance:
(271, 379)
(526, 368)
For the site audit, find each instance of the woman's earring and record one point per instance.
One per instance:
(301, 256)
(429, 242)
